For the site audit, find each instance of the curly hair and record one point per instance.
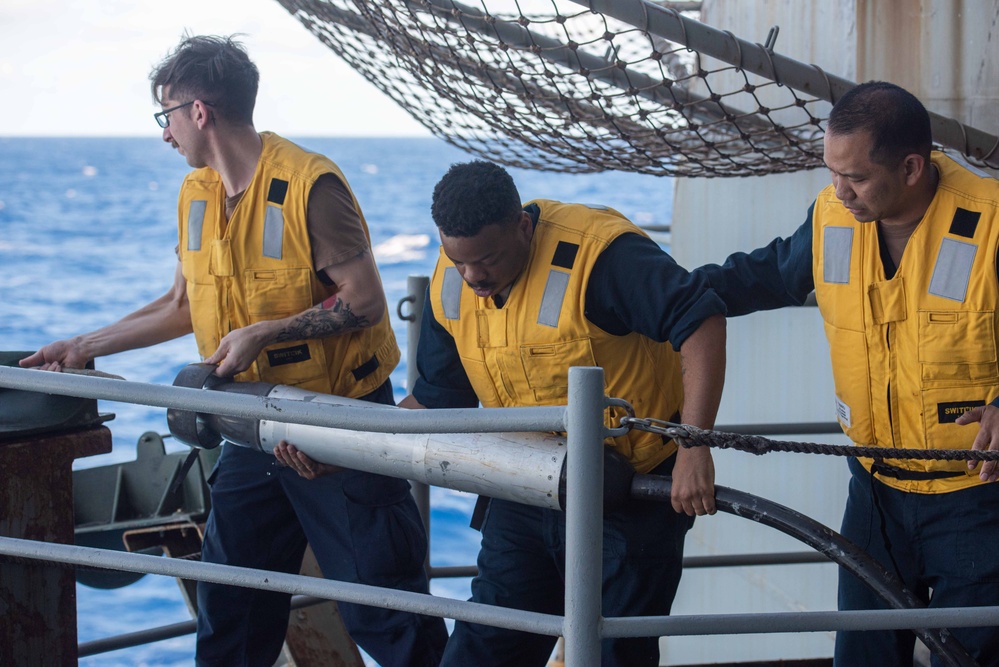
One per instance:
(472, 195)
(213, 69)
(897, 121)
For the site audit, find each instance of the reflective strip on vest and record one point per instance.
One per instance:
(551, 302)
(961, 160)
(451, 293)
(837, 246)
(273, 232)
(953, 269)
(195, 221)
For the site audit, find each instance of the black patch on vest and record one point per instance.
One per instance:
(565, 254)
(964, 223)
(288, 355)
(366, 369)
(947, 413)
(277, 191)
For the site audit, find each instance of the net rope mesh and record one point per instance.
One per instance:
(549, 84)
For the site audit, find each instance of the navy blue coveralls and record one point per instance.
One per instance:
(364, 528)
(521, 561)
(942, 542)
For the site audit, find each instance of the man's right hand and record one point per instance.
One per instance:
(289, 455)
(58, 355)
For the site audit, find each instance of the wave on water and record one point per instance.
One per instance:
(402, 248)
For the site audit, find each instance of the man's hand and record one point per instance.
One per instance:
(693, 482)
(289, 455)
(987, 439)
(240, 348)
(56, 356)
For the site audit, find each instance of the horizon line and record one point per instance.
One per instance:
(157, 136)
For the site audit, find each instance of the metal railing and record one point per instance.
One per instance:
(582, 625)
(582, 420)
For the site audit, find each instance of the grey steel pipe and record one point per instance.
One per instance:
(163, 632)
(381, 419)
(713, 624)
(806, 621)
(584, 518)
(295, 584)
(416, 286)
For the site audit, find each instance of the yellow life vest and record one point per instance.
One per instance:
(912, 353)
(519, 355)
(259, 267)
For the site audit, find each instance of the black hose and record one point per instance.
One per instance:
(826, 541)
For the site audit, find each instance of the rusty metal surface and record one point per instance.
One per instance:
(38, 600)
(316, 635)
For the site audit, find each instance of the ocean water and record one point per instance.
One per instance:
(87, 235)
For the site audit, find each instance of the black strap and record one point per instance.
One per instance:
(185, 468)
(879, 468)
(366, 369)
(479, 513)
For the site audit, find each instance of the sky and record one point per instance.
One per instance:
(81, 68)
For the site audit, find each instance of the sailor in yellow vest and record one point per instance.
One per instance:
(277, 282)
(520, 294)
(901, 252)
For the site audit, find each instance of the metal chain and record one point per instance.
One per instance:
(691, 436)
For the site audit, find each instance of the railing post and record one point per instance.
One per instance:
(584, 517)
(416, 294)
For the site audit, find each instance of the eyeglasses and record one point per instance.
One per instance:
(163, 117)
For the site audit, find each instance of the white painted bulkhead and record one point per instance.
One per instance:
(947, 53)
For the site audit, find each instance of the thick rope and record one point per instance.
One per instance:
(691, 436)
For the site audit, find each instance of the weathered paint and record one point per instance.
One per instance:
(38, 599)
(316, 634)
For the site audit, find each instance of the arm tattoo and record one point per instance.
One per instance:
(320, 322)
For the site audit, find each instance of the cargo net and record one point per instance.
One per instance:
(548, 84)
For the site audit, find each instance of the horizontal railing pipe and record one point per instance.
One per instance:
(164, 632)
(294, 584)
(502, 617)
(453, 571)
(689, 562)
(747, 560)
(160, 633)
(814, 621)
(376, 419)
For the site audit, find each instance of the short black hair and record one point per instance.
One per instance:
(212, 69)
(472, 195)
(896, 120)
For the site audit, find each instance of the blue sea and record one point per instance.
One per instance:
(87, 235)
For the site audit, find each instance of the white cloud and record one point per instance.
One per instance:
(81, 67)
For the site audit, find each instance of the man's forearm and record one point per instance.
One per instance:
(702, 359)
(322, 321)
(162, 320)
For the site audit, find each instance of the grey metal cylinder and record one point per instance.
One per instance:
(523, 467)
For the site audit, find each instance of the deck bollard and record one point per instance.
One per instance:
(40, 437)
